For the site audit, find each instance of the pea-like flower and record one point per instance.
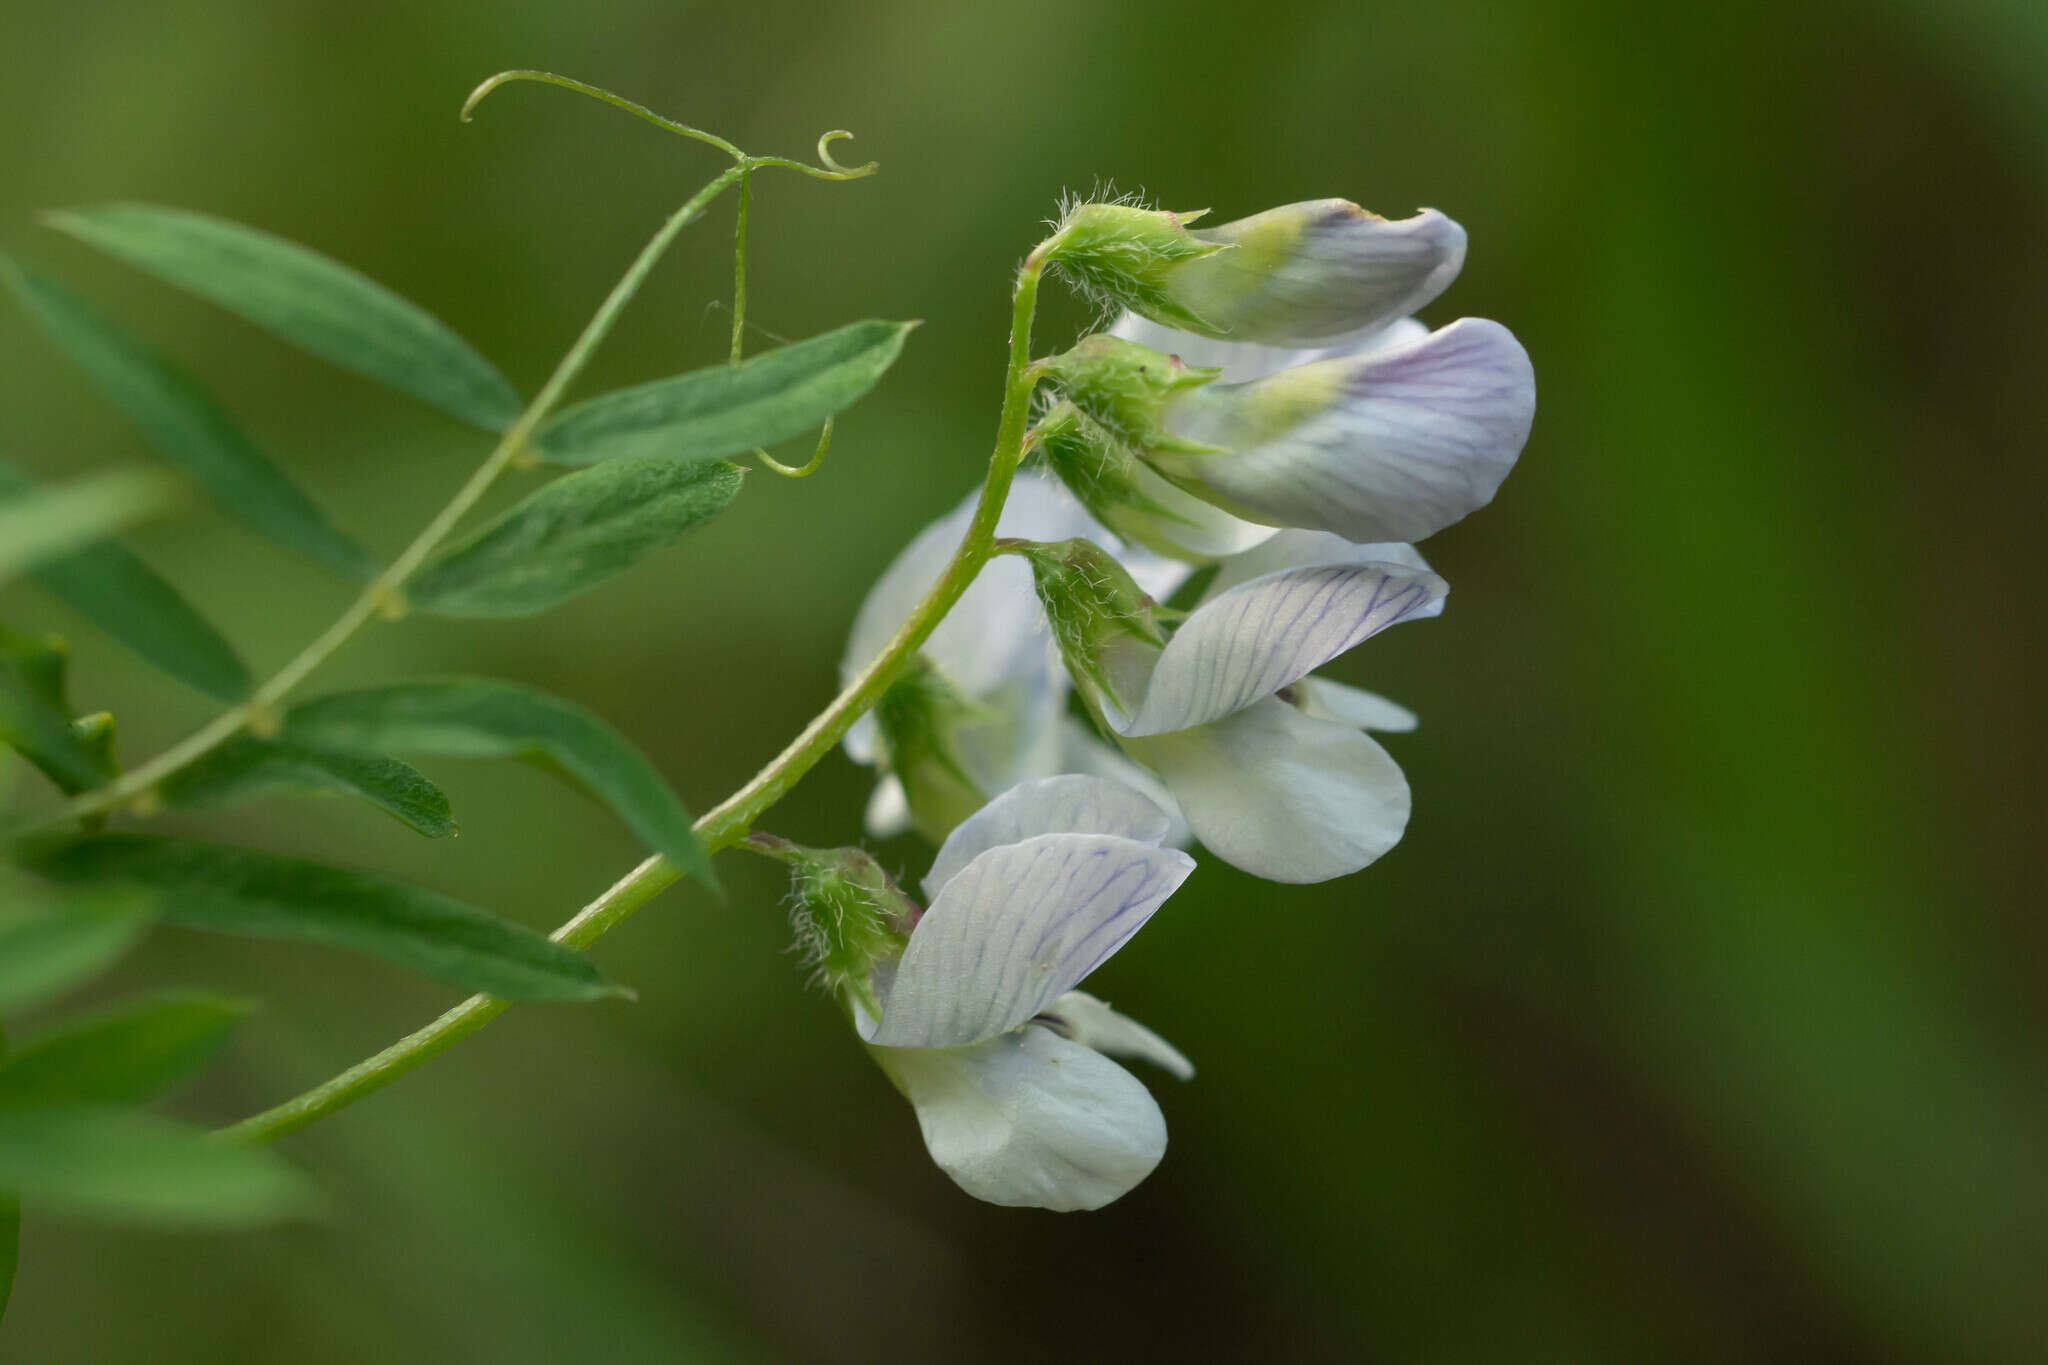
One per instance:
(1269, 766)
(1297, 275)
(984, 706)
(1391, 442)
(978, 1022)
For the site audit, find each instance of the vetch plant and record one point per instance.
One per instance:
(1263, 413)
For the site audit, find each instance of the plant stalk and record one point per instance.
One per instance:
(729, 822)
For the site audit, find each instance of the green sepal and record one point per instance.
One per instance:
(848, 916)
(1123, 255)
(920, 719)
(1093, 605)
(1127, 387)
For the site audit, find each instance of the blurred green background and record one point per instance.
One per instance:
(1699, 1017)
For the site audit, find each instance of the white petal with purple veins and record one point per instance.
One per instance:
(1092, 1023)
(1030, 1119)
(1300, 549)
(1068, 804)
(1016, 928)
(1394, 445)
(1083, 751)
(1355, 706)
(1241, 361)
(1262, 635)
(1282, 795)
(1304, 273)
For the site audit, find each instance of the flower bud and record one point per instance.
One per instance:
(1124, 255)
(1304, 273)
(1123, 493)
(848, 917)
(1126, 388)
(1100, 617)
(923, 720)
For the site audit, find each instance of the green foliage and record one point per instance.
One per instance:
(487, 718)
(49, 944)
(35, 717)
(126, 1055)
(109, 586)
(228, 890)
(306, 298)
(10, 1247)
(728, 409)
(112, 1162)
(185, 423)
(572, 534)
(247, 767)
(38, 525)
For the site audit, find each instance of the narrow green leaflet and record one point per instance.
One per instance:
(487, 718)
(308, 299)
(186, 424)
(109, 586)
(246, 767)
(244, 891)
(573, 534)
(115, 1163)
(705, 414)
(48, 945)
(45, 523)
(36, 720)
(127, 1055)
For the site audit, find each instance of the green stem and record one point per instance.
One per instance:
(739, 265)
(729, 822)
(385, 592)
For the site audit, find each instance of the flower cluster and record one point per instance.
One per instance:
(1263, 412)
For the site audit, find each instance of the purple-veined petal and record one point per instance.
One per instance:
(1030, 1119)
(1243, 361)
(1303, 273)
(1016, 928)
(1262, 635)
(1301, 549)
(1355, 706)
(1067, 804)
(1393, 445)
(1083, 751)
(1282, 795)
(1092, 1023)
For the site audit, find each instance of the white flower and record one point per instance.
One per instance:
(1269, 766)
(1302, 273)
(980, 1024)
(992, 649)
(1389, 434)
